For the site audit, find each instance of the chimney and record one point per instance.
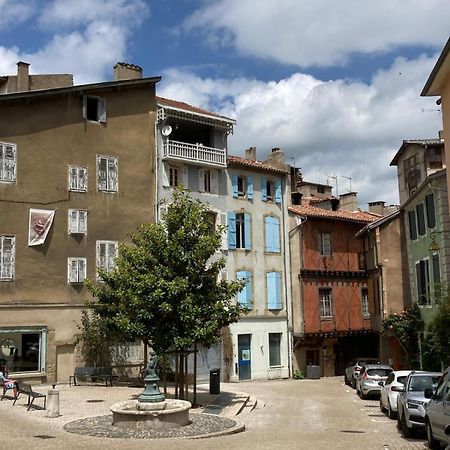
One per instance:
(250, 154)
(276, 158)
(349, 201)
(23, 79)
(377, 207)
(126, 71)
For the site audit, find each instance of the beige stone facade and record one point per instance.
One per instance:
(50, 133)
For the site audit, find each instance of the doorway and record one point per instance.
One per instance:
(244, 355)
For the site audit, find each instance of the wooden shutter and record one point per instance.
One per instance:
(73, 178)
(272, 232)
(102, 167)
(248, 290)
(264, 189)
(436, 269)
(82, 222)
(234, 185)
(214, 182)
(278, 192)
(112, 174)
(231, 230)
(242, 295)
(81, 269)
(101, 110)
(82, 179)
(271, 290)
(431, 216)
(201, 180)
(101, 255)
(412, 225)
(112, 255)
(165, 176)
(72, 270)
(7, 252)
(9, 163)
(185, 175)
(73, 221)
(420, 218)
(250, 188)
(223, 221)
(247, 233)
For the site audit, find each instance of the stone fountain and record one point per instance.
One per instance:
(151, 410)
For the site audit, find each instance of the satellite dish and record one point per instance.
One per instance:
(166, 130)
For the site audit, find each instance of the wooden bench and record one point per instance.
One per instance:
(25, 388)
(92, 374)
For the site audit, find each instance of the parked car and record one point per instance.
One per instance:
(369, 378)
(437, 417)
(390, 389)
(411, 402)
(353, 368)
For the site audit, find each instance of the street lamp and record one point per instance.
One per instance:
(434, 246)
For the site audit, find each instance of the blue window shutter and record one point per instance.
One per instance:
(268, 229)
(250, 188)
(271, 290)
(278, 289)
(242, 295)
(231, 230)
(234, 184)
(276, 234)
(247, 222)
(278, 193)
(264, 189)
(248, 290)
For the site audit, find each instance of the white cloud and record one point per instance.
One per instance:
(321, 32)
(14, 12)
(336, 127)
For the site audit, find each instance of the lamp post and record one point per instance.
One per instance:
(434, 246)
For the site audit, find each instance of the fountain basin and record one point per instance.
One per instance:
(134, 415)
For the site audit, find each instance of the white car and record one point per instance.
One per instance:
(390, 390)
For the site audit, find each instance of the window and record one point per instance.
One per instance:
(77, 221)
(7, 255)
(365, 302)
(435, 158)
(412, 173)
(244, 297)
(211, 219)
(273, 280)
(174, 178)
(77, 179)
(208, 181)
(76, 270)
(23, 349)
(106, 255)
(412, 225)
(436, 277)
(271, 191)
(94, 109)
(7, 162)
(325, 303)
(325, 244)
(431, 217)
(239, 231)
(242, 186)
(274, 349)
(107, 173)
(423, 282)
(420, 218)
(320, 189)
(272, 232)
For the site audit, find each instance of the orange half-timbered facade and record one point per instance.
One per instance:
(330, 304)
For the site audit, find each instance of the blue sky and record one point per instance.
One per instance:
(335, 84)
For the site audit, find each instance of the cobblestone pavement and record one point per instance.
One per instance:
(290, 414)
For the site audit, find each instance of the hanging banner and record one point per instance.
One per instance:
(40, 222)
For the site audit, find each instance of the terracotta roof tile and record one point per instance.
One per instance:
(251, 164)
(341, 214)
(186, 107)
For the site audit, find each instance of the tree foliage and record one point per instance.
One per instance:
(439, 332)
(405, 327)
(165, 289)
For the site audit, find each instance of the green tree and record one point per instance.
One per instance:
(439, 332)
(165, 289)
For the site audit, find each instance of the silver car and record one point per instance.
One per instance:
(353, 368)
(368, 381)
(411, 403)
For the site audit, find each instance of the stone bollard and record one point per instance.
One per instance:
(53, 402)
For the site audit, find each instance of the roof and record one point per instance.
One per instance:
(182, 106)
(341, 214)
(256, 165)
(422, 142)
(78, 88)
(378, 223)
(439, 74)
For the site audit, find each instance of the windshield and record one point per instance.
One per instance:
(379, 372)
(422, 382)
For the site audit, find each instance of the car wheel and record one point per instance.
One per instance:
(432, 442)
(362, 395)
(391, 414)
(407, 432)
(353, 383)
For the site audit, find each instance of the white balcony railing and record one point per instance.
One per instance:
(194, 153)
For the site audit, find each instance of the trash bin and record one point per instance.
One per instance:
(214, 381)
(312, 372)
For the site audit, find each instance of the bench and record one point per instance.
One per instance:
(25, 388)
(92, 374)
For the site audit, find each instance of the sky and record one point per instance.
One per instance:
(334, 83)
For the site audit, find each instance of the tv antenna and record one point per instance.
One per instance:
(350, 180)
(335, 178)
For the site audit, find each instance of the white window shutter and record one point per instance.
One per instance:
(185, 172)
(214, 182)
(81, 269)
(101, 111)
(224, 275)
(165, 176)
(112, 174)
(7, 244)
(201, 180)
(72, 178)
(102, 173)
(84, 107)
(101, 255)
(72, 270)
(82, 179)
(223, 221)
(82, 219)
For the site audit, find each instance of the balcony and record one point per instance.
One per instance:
(194, 153)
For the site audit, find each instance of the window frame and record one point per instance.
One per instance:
(278, 355)
(83, 272)
(174, 176)
(326, 296)
(79, 212)
(101, 108)
(109, 178)
(365, 302)
(423, 288)
(12, 258)
(3, 164)
(107, 267)
(77, 188)
(322, 244)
